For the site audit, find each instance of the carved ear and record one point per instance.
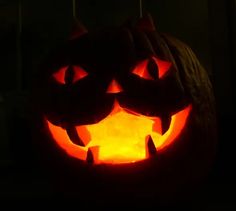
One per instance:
(78, 29)
(146, 23)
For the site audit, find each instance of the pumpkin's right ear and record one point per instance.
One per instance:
(78, 29)
(146, 23)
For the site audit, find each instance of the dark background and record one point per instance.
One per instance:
(29, 31)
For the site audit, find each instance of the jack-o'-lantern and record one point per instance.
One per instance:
(130, 104)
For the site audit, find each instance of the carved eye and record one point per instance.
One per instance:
(152, 69)
(69, 74)
(59, 76)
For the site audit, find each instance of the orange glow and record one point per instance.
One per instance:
(79, 73)
(121, 137)
(163, 66)
(63, 140)
(114, 87)
(59, 76)
(142, 71)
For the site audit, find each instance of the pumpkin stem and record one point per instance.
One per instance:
(74, 9)
(78, 28)
(140, 8)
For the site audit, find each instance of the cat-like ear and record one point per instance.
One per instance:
(78, 29)
(146, 23)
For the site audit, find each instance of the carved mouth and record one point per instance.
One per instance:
(122, 137)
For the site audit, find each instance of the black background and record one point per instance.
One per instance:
(207, 26)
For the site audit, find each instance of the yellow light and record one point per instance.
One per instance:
(121, 136)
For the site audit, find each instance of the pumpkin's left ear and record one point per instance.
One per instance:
(78, 29)
(146, 23)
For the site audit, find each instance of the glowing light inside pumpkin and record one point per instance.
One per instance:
(114, 87)
(79, 73)
(163, 66)
(121, 136)
(59, 76)
(142, 71)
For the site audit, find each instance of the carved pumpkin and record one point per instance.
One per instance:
(128, 104)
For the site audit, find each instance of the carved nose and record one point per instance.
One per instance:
(114, 87)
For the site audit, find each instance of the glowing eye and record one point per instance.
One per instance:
(59, 76)
(141, 70)
(69, 74)
(79, 73)
(163, 66)
(151, 69)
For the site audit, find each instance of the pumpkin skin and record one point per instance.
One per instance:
(168, 174)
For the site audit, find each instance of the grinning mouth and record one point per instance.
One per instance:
(122, 137)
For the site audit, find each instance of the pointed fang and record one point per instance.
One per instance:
(72, 133)
(92, 155)
(165, 123)
(89, 158)
(150, 147)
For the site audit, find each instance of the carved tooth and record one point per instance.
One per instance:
(92, 155)
(150, 147)
(165, 123)
(73, 135)
(89, 157)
